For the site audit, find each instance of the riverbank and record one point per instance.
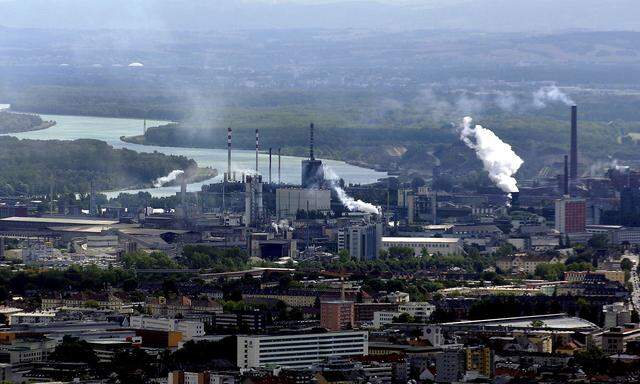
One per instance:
(21, 122)
(110, 130)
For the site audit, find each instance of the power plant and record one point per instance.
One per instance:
(312, 171)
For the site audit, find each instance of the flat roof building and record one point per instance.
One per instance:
(299, 350)
(433, 245)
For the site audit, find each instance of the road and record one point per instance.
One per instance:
(635, 283)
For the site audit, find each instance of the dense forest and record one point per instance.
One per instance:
(539, 141)
(32, 166)
(21, 122)
(405, 130)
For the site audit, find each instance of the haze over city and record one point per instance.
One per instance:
(319, 191)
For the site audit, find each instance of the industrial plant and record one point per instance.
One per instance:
(319, 192)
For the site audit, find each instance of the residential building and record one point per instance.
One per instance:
(252, 319)
(101, 300)
(455, 362)
(579, 276)
(432, 245)
(299, 350)
(382, 318)
(526, 263)
(418, 310)
(188, 328)
(615, 340)
(27, 351)
(479, 359)
(364, 311)
(397, 297)
(206, 377)
(363, 242)
(451, 364)
(617, 314)
(570, 215)
(336, 315)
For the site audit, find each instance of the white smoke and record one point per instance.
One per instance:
(160, 181)
(282, 225)
(349, 202)
(505, 100)
(549, 94)
(497, 156)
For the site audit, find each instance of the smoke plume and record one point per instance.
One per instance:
(550, 94)
(497, 156)
(160, 181)
(281, 225)
(349, 202)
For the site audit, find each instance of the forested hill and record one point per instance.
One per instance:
(29, 166)
(21, 122)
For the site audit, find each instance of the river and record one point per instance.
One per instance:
(111, 129)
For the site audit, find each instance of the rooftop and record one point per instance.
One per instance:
(558, 321)
(420, 240)
(59, 220)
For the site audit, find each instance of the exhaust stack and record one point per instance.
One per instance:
(270, 165)
(257, 148)
(311, 155)
(565, 182)
(573, 171)
(228, 154)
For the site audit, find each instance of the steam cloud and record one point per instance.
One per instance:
(349, 202)
(160, 181)
(497, 156)
(549, 94)
(281, 225)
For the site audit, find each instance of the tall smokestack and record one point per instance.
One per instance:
(269, 165)
(257, 148)
(311, 156)
(279, 165)
(573, 171)
(565, 182)
(228, 153)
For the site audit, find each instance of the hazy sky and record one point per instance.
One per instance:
(481, 15)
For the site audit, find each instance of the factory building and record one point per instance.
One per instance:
(254, 210)
(291, 200)
(312, 171)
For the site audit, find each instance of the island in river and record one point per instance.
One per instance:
(32, 167)
(11, 122)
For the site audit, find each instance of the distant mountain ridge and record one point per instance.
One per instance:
(481, 15)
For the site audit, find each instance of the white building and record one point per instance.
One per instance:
(188, 328)
(27, 351)
(291, 200)
(299, 350)
(179, 377)
(102, 241)
(421, 310)
(433, 245)
(363, 242)
(398, 297)
(32, 317)
(381, 318)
